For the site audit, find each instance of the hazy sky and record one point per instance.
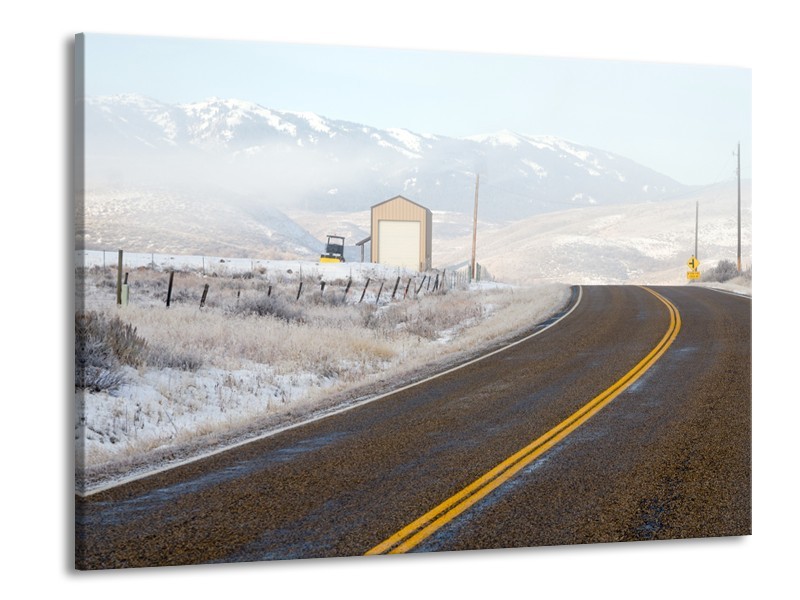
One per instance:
(681, 120)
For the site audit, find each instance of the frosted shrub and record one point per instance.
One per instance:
(102, 345)
(242, 275)
(162, 357)
(725, 270)
(96, 368)
(426, 317)
(330, 297)
(107, 279)
(275, 306)
(747, 273)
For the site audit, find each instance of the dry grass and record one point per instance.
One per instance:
(255, 351)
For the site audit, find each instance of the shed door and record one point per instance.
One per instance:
(399, 243)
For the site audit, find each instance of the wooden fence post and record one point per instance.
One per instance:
(322, 288)
(407, 286)
(379, 293)
(347, 289)
(396, 283)
(169, 287)
(419, 289)
(366, 285)
(203, 297)
(299, 290)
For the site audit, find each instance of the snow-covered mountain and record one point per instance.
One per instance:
(303, 160)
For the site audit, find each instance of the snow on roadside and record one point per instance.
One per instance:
(738, 285)
(161, 408)
(170, 406)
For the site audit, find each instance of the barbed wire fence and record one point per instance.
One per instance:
(273, 278)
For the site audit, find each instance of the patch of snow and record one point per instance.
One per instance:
(583, 198)
(316, 122)
(384, 144)
(502, 138)
(405, 137)
(538, 170)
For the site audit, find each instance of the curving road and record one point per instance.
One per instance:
(668, 455)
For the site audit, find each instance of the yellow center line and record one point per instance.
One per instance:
(422, 528)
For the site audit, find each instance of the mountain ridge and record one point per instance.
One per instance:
(296, 158)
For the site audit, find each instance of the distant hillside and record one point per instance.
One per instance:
(166, 221)
(638, 243)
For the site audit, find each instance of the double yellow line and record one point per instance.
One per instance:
(414, 533)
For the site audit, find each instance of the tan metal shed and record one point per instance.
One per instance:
(402, 234)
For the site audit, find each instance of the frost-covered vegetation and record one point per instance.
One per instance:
(725, 270)
(153, 383)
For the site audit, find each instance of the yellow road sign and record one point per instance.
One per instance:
(693, 263)
(693, 275)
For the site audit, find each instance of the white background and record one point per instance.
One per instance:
(37, 307)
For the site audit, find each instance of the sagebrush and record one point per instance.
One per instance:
(725, 270)
(102, 346)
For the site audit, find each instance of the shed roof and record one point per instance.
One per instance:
(374, 206)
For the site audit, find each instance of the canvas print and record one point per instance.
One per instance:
(338, 301)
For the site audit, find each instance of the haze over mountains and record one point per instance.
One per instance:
(302, 159)
(233, 178)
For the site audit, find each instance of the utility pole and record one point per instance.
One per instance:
(696, 227)
(475, 229)
(739, 207)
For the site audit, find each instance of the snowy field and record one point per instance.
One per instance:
(246, 363)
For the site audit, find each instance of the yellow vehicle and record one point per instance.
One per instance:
(334, 250)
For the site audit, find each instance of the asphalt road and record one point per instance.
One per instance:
(668, 457)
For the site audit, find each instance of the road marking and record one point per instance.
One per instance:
(414, 533)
